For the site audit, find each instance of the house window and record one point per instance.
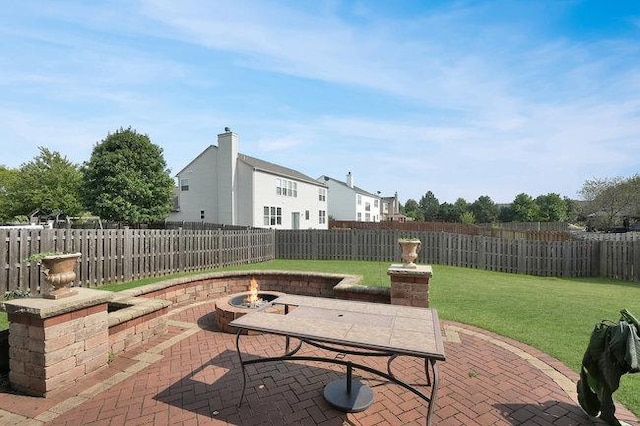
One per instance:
(306, 215)
(367, 206)
(375, 203)
(322, 194)
(359, 217)
(272, 216)
(367, 217)
(286, 187)
(359, 198)
(201, 214)
(184, 184)
(322, 216)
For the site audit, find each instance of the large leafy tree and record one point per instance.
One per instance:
(412, 209)
(448, 212)
(507, 213)
(462, 206)
(127, 180)
(49, 182)
(430, 206)
(551, 208)
(7, 179)
(524, 208)
(574, 212)
(484, 209)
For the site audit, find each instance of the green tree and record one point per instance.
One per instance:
(50, 183)
(551, 208)
(8, 177)
(452, 212)
(126, 179)
(430, 206)
(462, 205)
(412, 209)
(484, 209)
(574, 212)
(448, 212)
(525, 208)
(506, 213)
(467, 218)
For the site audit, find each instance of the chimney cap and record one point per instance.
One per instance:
(227, 129)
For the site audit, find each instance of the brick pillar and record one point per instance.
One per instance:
(410, 286)
(53, 343)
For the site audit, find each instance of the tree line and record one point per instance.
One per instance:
(608, 203)
(125, 180)
(524, 208)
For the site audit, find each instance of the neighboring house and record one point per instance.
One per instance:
(223, 186)
(348, 202)
(390, 209)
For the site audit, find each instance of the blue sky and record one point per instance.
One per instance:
(461, 98)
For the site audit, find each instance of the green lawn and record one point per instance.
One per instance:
(552, 314)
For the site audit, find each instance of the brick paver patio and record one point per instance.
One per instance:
(191, 376)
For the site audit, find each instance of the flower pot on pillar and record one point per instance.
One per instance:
(410, 248)
(59, 273)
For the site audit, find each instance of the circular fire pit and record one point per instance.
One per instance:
(235, 305)
(243, 300)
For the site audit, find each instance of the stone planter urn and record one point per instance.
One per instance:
(59, 272)
(410, 248)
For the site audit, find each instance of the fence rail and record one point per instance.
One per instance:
(409, 228)
(588, 258)
(529, 226)
(120, 255)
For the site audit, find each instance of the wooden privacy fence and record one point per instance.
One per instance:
(619, 259)
(120, 255)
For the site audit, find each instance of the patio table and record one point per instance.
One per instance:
(351, 328)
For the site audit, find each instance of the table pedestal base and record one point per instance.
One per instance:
(358, 399)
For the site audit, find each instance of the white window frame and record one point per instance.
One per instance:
(272, 216)
(286, 187)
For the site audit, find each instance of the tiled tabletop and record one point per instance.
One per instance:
(398, 329)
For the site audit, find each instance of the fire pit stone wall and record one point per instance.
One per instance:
(217, 284)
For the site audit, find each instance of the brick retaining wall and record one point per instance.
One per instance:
(55, 342)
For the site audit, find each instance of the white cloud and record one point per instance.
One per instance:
(467, 99)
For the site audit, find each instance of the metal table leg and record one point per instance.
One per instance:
(434, 388)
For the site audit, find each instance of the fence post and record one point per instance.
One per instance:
(127, 256)
(314, 244)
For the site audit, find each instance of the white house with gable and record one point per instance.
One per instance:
(348, 202)
(223, 186)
